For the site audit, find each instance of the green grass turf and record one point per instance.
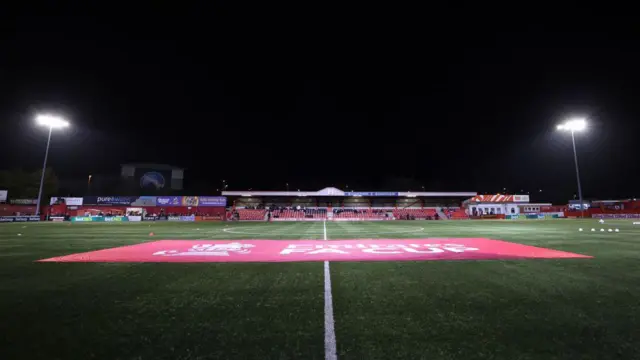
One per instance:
(530, 309)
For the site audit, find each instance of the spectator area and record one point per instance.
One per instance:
(456, 214)
(360, 214)
(251, 214)
(299, 214)
(415, 214)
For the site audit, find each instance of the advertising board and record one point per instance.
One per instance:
(87, 219)
(115, 200)
(108, 200)
(182, 218)
(70, 201)
(219, 201)
(99, 219)
(19, 218)
(209, 218)
(190, 201)
(145, 201)
(616, 216)
(168, 200)
(525, 216)
(116, 219)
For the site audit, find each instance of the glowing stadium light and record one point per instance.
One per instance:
(51, 121)
(573, 125)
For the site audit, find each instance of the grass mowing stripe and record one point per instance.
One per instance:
(330, 352)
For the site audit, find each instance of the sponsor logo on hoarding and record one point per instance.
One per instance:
(212, 201)
(213, 218)
(190, 201)
(73, 201)
(524, 216)
(87, 218)
(57, 218)
(116, 218)
(615, 216)
(99, 218)
(134, 218)
(169, 200)
(182, 218)
(115, 200)
(145, 201)
(19, 218)
(155, 218)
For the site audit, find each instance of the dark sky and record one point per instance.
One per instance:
(449, 99)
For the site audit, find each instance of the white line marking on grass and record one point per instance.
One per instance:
(284, 231)
(330, 352)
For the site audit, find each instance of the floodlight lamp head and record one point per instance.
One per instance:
(51, 121)
(577, 124)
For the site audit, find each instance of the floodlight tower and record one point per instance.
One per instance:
(575, 125)
(52, 122)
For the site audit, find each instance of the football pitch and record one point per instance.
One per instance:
(455, 308)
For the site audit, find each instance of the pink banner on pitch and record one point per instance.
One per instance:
(316, 250)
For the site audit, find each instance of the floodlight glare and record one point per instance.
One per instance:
(51, 121)
(573, 125)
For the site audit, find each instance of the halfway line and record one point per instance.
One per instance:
(329, 325)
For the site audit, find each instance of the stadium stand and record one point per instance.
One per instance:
(359, 214)
(251, 214)
(457, 214)
(294, 214)
(331, 203)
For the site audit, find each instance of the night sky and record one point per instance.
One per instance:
(452, 101)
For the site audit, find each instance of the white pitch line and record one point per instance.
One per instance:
(358, 233)
(330, 352)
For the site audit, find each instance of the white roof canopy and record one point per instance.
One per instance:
(331, 191)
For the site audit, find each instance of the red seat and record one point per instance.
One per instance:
(251, 214)
(416, 213)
